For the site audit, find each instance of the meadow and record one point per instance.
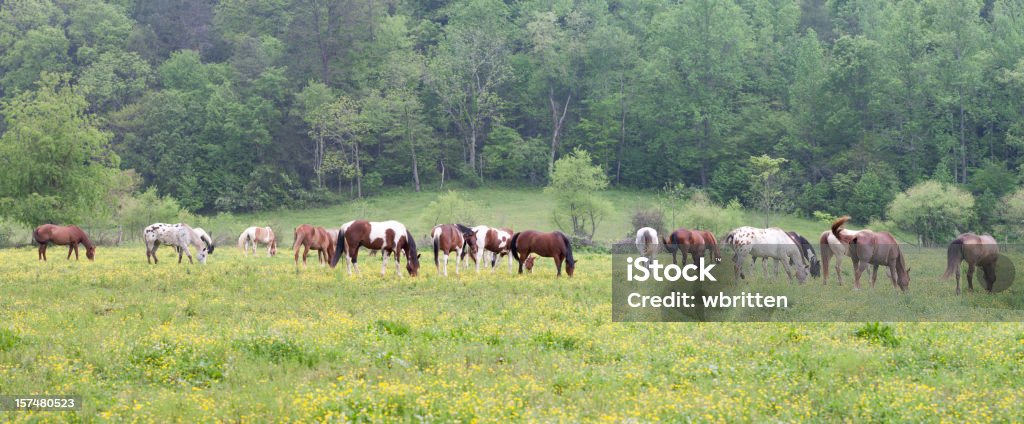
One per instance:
(253, 339)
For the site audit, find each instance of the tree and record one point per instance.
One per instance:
(765, 185)
(56, 165)
(936, 212)
(575, 184)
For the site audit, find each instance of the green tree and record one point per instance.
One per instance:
(576, 184)
(765, 184)
(56, 164)
(936, 212)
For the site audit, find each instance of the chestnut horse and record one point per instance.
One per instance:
(553, 245)
(390, 237)
(875, 248)
(448, 238)
(312, 238)
(70, 236)
(687, 242)
(710, 244)
(976, 250)
(253, 236)
(494, 240)
(832, 247)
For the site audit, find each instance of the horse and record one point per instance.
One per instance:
(832, 247)
(309, 238)
(553, 245)
(807, 250)
(448, 238)
(976, 250)
(391, 237)
(875, 248)
(179, 235)
(766, 243)
(201, 233)
(70, 235)
(253, 236)
(687, 242)
(646, 242)
(494, 240)
(710, 244)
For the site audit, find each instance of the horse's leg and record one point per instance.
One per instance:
(892, 276)
(558, 263)
(71, 248)
(970, 276)
(446, 265)
(874, 275)
(958, 278)
(458, 259)
(525, 254)
(398, 262)
(785, 266)
(383, 262)
(858, 269)
(509, 255)
(305, 254)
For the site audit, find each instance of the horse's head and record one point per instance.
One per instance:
(528, 263)
(468, 235)
(413, 265)
(570, 266)
(90, 252)
(801, 272)
(272, 248)
(903, 278)
(202, 255)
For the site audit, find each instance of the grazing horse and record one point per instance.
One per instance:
(390, 237)
(710, 244)
(832, 247)
(553, 245)
(253, 236)
(807, 250)
(70, 236)
(976, 250)
(309, 238)
(448, 238)
(494, 240)
(875, 248)
(202, 234)
(687, 242)
(766, 243)
(646, 243)
(179, 235)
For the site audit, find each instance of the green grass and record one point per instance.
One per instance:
(254, 339)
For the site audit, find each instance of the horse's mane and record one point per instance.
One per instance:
(413, 255)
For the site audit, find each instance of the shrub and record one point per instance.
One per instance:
(934, 211)
(880, 334)
(650, 217)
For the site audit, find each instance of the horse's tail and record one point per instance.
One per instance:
(669, 246)
(36, 236)
(714, 244)
(435, 238)
(839, 235)
(209, 244)
(339, 247)
(568, 250)
(512, 247)
(954, 254)
(241, 240)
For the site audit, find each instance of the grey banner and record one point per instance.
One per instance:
(748, 284)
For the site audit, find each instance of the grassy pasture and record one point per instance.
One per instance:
(254, 339)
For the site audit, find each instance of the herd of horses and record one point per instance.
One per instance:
(793, 252)
(797, 255)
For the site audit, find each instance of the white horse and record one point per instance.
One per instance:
(832, 247)
(253, 236)
(647, 242)
(766, 243)
(497, 241)
(181, 236)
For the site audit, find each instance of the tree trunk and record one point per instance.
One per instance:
(412, 147)
(622, 130)
(359, 173)
(704, 140)
(556, 125)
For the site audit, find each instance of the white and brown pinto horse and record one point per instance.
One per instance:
(874, 248)
(831, 248)
(448, 238)
(766, 243)
(70, 235)
(497, 241)
(390, 237)
(553, 245)
(647, 242)
(253, 236)
(978, 251)
(179, 235)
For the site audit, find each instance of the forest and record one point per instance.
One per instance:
(248, 105)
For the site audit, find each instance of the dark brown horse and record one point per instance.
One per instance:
(710, 244)
(390, 237)
(976, 250)
(312, 238)
(875, 248)
(687, 242)
(448, 238)
(70, 236)
(553, 245)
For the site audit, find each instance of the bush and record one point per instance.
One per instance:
(880, 334)
(935, 211)
(575, 183)
(650, 217)
(450, 208)
(701, 213)
(141, 210)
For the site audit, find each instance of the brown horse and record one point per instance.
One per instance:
(390, 237)
(687, 242)
(553, 245)
(831, 247)
(315, 238)
(494, 240)
(710, 244)
(70, 236)
(976, 250)
(875, 248)
(448, 238)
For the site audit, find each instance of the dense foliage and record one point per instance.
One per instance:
(247, 105)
